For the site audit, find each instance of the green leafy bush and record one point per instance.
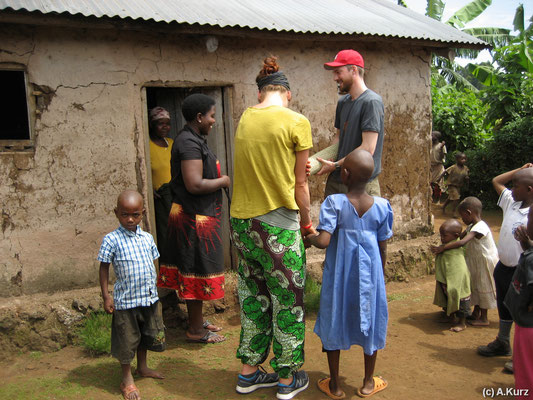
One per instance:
(459, 115)
(95, 334)
(509, 148)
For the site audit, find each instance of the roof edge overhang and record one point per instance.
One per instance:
(79, 21)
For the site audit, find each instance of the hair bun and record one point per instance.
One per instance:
(270, 66)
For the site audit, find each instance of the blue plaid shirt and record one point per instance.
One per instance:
(132, 255)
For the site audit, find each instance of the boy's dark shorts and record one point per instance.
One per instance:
(134, 327)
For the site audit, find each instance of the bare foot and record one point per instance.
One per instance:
(150, 373)
(479, 322)
(458, 328)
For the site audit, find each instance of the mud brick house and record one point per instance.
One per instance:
(78, 77)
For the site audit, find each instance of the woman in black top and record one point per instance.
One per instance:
(194, 264)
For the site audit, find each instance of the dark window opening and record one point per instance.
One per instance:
(14, 110)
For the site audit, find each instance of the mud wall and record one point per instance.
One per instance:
(89, 132)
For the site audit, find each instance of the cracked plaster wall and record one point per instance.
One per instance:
(57, 203)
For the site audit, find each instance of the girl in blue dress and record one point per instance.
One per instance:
(353, 304)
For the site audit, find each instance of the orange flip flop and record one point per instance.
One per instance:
(379, 385)
(323, 385)
(127, 390)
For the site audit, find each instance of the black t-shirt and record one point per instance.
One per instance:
(353, 117)
(520, 293)
(189, 145)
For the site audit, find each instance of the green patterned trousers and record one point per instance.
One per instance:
(271, 290)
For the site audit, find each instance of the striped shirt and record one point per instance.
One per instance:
(132, 255)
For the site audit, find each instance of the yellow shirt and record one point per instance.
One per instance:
(265, 144)
(160, 159)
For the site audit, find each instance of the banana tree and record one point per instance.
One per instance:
(496, 37)
(508, 79)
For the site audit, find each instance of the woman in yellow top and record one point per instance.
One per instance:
(160, 151)
(269, 214)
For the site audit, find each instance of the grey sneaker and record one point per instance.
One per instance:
(261, 379)
(300, 382)
(508, 367)
(496, 348)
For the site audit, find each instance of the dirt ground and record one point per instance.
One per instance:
(422, 360)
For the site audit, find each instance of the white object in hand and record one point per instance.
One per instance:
(329, 153)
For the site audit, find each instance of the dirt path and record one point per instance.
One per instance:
(422, 360)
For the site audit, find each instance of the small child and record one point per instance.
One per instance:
(452, 291)
(437, 156)
(515, 206)
(481, 257)
(519, 301)
(353, 304)
(137, 322)
(457, 177)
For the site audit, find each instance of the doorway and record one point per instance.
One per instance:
(219, 140)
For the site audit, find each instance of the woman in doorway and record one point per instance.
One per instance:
(270, 212)
(160, 150)
(194, 264)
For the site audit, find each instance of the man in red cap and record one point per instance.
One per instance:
(358, 119)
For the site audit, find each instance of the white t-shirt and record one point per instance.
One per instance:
(509, 248)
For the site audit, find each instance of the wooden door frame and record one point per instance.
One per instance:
(227, 107)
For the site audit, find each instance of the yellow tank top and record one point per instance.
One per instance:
(160, 159)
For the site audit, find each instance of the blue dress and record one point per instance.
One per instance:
(353, 302)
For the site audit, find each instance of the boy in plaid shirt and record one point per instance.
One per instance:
(137, 322)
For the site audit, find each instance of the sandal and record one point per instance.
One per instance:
(127, 390)
(323, 385)
(379, 385)
(207, 338)
(214, 328)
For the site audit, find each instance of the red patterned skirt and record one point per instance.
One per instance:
(194, 264)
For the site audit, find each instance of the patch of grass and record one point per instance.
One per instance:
(95, 334)
(396, 296)
(311, 294)
(36, 355)
(42, 388)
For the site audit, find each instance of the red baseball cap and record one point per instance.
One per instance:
(346, 57)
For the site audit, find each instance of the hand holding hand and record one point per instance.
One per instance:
(527, 165)
(308, 231)
(307, 238)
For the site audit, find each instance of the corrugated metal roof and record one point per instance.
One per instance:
(344, 17)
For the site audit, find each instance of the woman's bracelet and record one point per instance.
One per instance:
(307, 226)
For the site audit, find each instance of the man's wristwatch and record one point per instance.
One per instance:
(337, 165)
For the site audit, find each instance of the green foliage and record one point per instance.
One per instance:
(95, 334)
(311, 294)
(435, 8)
(510, 148)
(454, 73)
(468, 13)
(459, 116)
